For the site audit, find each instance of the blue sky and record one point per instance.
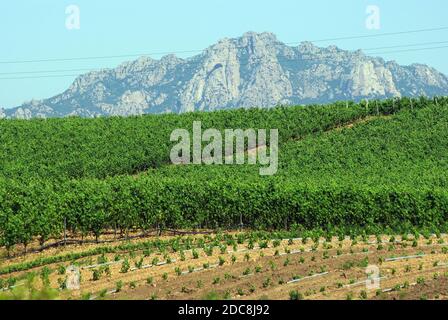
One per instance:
(35, 29)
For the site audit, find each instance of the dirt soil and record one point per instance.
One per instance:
(288, 269)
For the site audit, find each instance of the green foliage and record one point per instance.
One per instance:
(29, 292)
(119, 286)
(386, 173)
(295, 295)
(125, 266)
(61, 269)
(96, 275)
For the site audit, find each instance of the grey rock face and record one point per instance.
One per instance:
(255, 70)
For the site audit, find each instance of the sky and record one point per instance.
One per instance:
(37, 30)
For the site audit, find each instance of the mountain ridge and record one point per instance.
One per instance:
(255, 70)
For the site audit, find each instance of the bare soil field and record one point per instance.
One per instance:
(278, 269)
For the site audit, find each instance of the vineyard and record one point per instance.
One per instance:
(103, 193)
(248, 266)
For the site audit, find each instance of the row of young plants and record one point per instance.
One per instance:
(176, 244)
(207, 243)
(258, 269)
(263, 244)
(225, 240)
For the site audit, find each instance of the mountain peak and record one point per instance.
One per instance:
(307, 46)
(263, 36)
(255, 69)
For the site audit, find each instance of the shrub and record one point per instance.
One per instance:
(125, 266)
(96, 275)
(119, 286)
(295, 295)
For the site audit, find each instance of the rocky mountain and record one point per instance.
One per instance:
(255, 70)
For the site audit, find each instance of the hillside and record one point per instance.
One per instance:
(253, 70)
(103, 147)
(343, 167)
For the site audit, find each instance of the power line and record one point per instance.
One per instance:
(201, 50)
(46, 71)
(303, 58)
(382, 34)
(408, 50)
(406, 45)
(97, 57)
(39, 77)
